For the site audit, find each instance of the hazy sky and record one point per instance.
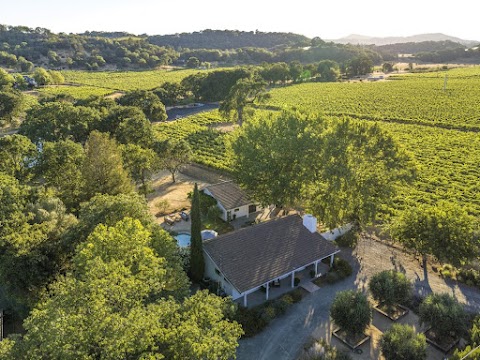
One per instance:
(324, 18)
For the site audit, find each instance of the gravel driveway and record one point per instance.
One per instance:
(285, 336)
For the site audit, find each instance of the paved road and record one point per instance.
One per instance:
(285, 336)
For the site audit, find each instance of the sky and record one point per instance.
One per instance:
(326, 19)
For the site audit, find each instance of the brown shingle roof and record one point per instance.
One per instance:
(253, 256)
(229, 194)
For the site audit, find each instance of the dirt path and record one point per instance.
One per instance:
(285, 337)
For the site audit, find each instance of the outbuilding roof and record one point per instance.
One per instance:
(229, 194)
(253, 256)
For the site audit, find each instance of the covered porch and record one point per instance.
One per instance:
(286, 282)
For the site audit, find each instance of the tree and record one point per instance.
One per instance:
(31, 252)
(197, 263)
(328, 70)
(358, 169)
(351, 311)
(54, 121)
(25, 65)
(111, 307)
(400, 342)
(56, 77)
(140, 163)
(472, 350)
(390, 288)
(173, 154)
(102, 170)
(135, 130)
(170, 93)
(245, 92)
(359, 65)
(444, 314)
(42, 77)
(147, 101)
(11, 106)
(16, 155)
(6, 79)
(296, 70)
(60, 165)
(341, 170)
(445, 231)
(387, 67)
(193, 62)
(265, 157)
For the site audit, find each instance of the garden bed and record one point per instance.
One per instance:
(444, 345)
(352, 343)
(398, 312)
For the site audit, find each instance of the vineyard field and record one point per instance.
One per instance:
(449, 165)
(78, 92)
(418, 98)
(126, 80)
(208, 144)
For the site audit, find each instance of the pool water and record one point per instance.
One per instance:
(183, 240)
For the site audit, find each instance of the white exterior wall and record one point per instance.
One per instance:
(212, 274)
(335, 233)
(242, 210)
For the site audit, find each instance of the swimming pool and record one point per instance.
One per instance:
(183, 240)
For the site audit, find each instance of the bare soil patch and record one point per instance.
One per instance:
(175, 193)
(224, 127)
(115, 95)
(394, 313)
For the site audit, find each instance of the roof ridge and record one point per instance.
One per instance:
(256, 226)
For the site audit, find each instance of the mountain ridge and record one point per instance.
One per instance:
(376, 40)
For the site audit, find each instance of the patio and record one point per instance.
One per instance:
(259, 296)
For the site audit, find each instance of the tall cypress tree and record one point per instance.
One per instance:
(197, 263)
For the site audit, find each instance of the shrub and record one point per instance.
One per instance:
(332, 277)
(351, 311)
(444, 314)
(390, 287)
(251, 320)
(268, 313)
(282, 304)
(349, 239)
(342, 267)
(401, 342)
(320, 350)
(162, 205)
(296, 295)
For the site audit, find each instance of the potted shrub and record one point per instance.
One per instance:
(401, 342)
(446, 317)
(390, 288)
(351, 311)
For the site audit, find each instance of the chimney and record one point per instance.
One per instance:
(310, 222)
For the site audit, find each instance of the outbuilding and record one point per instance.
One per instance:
(232, 200)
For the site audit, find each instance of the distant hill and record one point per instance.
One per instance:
(367, 40)
(229, 39)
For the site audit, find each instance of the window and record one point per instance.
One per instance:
(236, 210)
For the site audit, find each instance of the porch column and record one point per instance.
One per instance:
(268, 286)
(245, 300)
(293, 278)
(331, 259)
(316, 268)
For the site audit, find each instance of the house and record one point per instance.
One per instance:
(248, 259)
(232, 201)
